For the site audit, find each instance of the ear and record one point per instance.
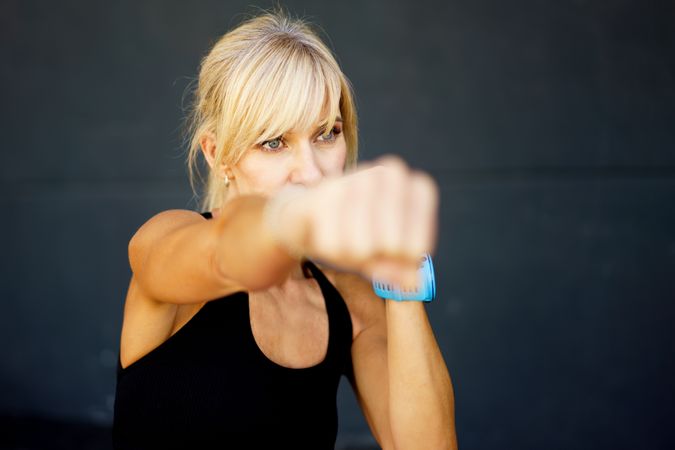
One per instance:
(207, 143)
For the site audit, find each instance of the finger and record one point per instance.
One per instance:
(357, 221)
(392, 186)
(324, 232)
(385, 270)
(401, 275)
(391, 160)
(422, 222)
(383, 161)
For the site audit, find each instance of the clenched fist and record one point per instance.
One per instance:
(377, 220)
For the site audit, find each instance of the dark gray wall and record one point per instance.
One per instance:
(549, 127)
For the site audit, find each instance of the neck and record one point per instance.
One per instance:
(297, 274)
(291, 290)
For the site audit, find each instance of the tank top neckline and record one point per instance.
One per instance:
(332, 313)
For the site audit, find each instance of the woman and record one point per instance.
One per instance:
(239, 321)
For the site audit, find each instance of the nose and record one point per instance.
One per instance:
(305, 171)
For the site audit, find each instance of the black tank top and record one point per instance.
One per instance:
(210, 386)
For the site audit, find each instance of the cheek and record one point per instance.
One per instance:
(333, 161)
(261, 174)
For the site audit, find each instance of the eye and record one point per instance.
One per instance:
(272, 145)
(331, 135)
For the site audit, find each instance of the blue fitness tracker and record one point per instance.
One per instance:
(425, 291)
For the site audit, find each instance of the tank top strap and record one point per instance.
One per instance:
(339, 320)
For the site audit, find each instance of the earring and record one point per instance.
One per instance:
(227, 178)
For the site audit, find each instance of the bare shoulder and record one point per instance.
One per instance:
(164, 222)
(147, 322)
(153, 231)
(172, 217)
(365, 307)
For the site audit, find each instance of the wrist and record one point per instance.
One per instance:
(423, 289)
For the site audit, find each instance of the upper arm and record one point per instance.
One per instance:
(369, 378)
(172, 259)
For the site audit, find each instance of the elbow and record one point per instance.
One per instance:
(137, 254)
(436, 430)
(448, 442)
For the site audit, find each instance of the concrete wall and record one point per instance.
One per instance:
(549, 127)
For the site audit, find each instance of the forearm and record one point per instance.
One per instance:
(421, 400)
(246, 250)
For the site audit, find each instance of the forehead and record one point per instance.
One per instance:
(324, 122)
(296, 102)
(303, 116)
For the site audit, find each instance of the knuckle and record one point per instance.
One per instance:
(392, 161)
(427, 186)
(390, 166)
(425, 180)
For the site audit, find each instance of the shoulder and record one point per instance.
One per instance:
(365, 307)
(165, 221)
(169, 219)
(146, 322)
(158, 226)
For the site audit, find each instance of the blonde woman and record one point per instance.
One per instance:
(240, 321)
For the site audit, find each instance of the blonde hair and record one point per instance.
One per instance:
(269, 75)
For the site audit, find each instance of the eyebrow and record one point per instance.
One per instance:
(337, 119)
(318, 127)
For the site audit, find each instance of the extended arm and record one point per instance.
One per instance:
(178, 257)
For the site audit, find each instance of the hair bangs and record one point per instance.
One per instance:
(296, 91)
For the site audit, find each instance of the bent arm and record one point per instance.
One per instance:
(421, 400)
(179, 257)
(399, 376)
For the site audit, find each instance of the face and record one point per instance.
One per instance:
(302, 157)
